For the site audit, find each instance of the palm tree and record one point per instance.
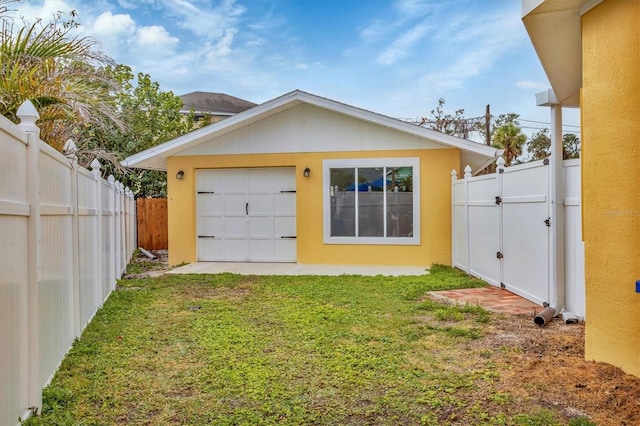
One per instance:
(509, 137)
(62, 74)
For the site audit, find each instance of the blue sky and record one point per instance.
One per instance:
(395, 57)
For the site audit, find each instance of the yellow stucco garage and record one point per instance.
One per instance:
(307, 179)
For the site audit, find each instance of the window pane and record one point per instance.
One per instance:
(400, 202)
(343, 195)
(371, 202)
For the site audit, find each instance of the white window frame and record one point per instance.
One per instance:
(413, 162)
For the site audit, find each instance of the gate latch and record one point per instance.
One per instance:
(499, 255)
(547, 221)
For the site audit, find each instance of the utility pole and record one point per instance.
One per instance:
(487, 124)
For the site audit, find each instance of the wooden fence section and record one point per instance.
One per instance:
(66, 235)
(501, 231)
(153, 228)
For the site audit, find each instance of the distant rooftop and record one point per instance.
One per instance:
(214, 103)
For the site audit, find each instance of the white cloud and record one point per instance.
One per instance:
(47, 11)
(415, 8)
(472, 46)
(402, 46)
(155, 36)
(110, 25)
(374, 31)
(205, 22)
(223, 46)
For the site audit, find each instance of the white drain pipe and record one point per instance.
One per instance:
(556, 303)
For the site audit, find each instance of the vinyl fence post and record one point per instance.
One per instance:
(467, 176)
(118, 231)
(28, 116)
(123, 230)
(454, 179)
(112, 230)
(76, 327)
(99, 278)
(499, 175)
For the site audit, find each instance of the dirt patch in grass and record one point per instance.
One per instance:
(141, 266)
(547, 365)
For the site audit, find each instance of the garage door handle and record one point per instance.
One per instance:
(288, 237)
(246, 208)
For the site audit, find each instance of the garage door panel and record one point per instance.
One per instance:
(261, 181)
(211, 226)
(235, 227)
(260, 204)
(211, 204)
(261, 227)
(211, 249)
(209, 181)
(284, 250)
(284, 226)
(236, 250)
(284, 179)
(234, 181)
(261, 250)
(235, 204)
(284, 203)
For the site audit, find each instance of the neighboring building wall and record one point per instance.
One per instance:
(611, 181)
(435, 207)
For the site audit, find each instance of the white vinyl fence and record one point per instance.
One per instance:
(66, 235)
(501, 230)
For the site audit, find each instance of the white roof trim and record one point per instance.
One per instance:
(155, 157)
(554, 27)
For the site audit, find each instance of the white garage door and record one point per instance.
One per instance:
(246, 215)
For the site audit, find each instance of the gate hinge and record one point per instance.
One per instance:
(498, 200)
(547, 221)
(499, 255)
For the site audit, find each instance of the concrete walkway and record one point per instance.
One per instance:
(295, 269)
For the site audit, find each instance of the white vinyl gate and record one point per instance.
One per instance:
(246, 215)
(501, 230)
(525, 234)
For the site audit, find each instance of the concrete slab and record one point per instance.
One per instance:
(296, 269)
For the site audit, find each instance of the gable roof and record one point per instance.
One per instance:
(555, 32)
(214, 103)
(478, 155)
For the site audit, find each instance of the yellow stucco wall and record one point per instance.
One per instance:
(435, 207)
(611, 181)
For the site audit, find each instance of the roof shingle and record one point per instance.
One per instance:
(214, 103)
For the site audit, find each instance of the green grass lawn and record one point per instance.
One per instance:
(246, 350)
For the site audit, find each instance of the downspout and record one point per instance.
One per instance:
(556, 303)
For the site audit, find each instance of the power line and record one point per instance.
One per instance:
(542, 128)
(543, 122)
